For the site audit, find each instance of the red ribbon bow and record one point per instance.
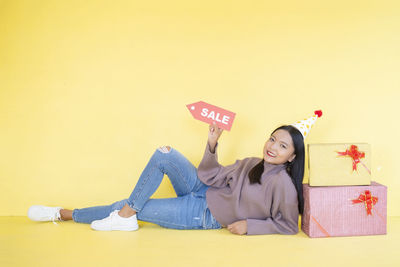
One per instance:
(367, 199)
(354, 154)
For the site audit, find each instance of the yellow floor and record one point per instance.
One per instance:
(27, 243)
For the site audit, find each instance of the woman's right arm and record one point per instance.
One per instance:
(214, 133)
(210, 172)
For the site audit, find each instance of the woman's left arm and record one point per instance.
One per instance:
(284, 212)
(283, 221)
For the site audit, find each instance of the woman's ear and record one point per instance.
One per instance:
(291, 158)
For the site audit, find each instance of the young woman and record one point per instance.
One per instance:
(251, 196)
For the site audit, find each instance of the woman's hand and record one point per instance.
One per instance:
(213, 135)
(239, 227)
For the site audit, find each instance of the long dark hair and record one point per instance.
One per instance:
(295, 169)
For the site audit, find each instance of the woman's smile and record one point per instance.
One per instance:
(270, 154)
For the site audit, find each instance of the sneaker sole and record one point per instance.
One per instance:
(117, 229)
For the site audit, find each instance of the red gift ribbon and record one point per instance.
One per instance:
(367, 199)
(354, 154)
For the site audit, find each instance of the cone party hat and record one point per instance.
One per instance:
(305, 125)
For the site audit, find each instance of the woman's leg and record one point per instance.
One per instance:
(182, 174)
(90, 214)
(185, 212)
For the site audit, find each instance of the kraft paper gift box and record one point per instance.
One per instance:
(339, 164)
(344, 210)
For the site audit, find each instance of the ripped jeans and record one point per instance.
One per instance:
(188, 210)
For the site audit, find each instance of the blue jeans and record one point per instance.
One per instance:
(188, 210)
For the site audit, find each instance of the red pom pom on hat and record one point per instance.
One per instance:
(318, 113)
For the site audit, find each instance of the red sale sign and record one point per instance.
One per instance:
(209, 113)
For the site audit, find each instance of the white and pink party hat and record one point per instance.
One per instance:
(305, 125)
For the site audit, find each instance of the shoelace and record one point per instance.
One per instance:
(56, 217)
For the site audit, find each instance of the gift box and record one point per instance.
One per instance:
(339, 164)
(344, 210)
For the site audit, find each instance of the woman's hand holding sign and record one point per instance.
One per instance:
(218, 118)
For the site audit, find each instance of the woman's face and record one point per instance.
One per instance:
(279, 148)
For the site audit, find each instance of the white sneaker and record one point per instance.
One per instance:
(116, 222)
(44, 214)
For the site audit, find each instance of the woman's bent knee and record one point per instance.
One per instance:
(164, 149)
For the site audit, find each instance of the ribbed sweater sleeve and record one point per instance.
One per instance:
(211, 173)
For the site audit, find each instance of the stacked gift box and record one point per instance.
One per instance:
(340, 199)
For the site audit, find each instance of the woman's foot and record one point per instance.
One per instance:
(115, 222)
(44, 214)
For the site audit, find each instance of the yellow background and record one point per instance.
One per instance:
(89, 89)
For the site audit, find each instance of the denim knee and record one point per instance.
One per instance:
(164, 149)
(163, 152)
(162, 155)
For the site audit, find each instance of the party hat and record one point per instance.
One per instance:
(305, 125)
